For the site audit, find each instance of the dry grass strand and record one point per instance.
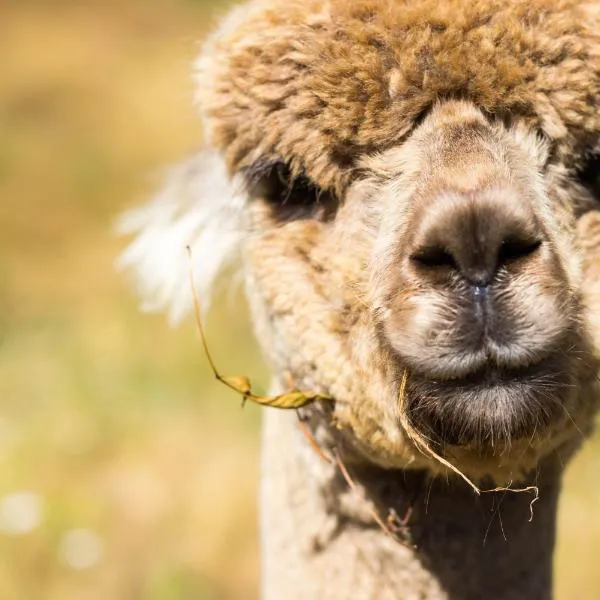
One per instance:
(293, 399)
(421, 443)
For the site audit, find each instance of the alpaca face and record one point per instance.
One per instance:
(428, 262)
(453, 258)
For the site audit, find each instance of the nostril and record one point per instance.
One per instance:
(513, 249)
(480, 290)
(434, 256)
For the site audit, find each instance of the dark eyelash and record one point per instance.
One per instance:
(290, 197)
(589, 175)
(259, 171)
(273, 180)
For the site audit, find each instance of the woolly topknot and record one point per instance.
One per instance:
(318, 84)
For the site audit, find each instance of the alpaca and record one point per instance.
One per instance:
(411, 190)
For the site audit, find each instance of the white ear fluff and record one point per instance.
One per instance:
(199, 206)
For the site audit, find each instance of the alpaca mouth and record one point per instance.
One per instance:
(490, 363)
(491, 405)
(490, 376)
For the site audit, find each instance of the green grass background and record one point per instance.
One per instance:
(110, 416)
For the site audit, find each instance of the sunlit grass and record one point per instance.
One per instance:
(108, 418)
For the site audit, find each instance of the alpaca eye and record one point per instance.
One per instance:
(589, 175)
(288, 197)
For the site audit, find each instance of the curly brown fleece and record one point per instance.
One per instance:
(290, 80)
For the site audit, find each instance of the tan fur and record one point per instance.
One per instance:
(395, 115)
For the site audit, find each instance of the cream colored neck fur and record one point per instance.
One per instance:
(320, 542)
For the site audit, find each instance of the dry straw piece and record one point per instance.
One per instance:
(421, 443)
(241, 384)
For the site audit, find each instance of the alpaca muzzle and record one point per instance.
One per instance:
(477, 305)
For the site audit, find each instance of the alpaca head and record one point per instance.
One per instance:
(415, 191)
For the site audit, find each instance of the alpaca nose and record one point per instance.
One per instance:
(475, 237)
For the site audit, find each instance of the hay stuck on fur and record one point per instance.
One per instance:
(292, 399)
(422, 444)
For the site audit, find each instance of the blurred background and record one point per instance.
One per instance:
(125, 471)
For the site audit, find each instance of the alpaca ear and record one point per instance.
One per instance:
(199, 206)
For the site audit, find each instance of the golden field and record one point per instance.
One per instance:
(125, 471)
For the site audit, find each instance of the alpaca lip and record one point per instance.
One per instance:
(491, 404)
(485, 367)
(490, 376)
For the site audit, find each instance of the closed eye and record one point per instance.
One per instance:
(289, 197)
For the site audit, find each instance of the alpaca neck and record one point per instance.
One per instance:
(320, 540)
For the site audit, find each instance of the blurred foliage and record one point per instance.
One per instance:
(110, 422)
(108, 416)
